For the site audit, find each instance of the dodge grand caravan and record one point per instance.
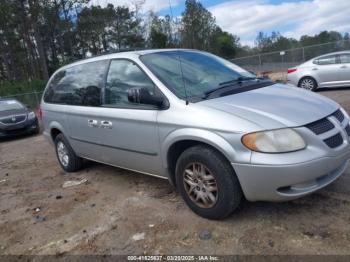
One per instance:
(215, 131)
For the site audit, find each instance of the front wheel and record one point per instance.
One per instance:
(207, 182)
(308, 83)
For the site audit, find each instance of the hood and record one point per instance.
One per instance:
(275, 106)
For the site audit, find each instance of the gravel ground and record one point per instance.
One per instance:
(121, 212)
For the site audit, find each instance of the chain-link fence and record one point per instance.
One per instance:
(31, 99)
(280, 61)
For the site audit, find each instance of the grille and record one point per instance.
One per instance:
(338, 115)
(13, 119)
(347, 129)
(334, 141)
(320, 126)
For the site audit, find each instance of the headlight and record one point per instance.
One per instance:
(274, 141)
(31, 115)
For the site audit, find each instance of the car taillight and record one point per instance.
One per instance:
(291, 70)
(40, 113)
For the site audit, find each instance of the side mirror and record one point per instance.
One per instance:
(143, 96)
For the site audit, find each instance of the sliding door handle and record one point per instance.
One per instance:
(106, 124)
(93, 123)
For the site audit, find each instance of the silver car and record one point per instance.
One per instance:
(215, 131)
(330, 70)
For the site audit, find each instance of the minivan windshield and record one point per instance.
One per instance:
(6, 105)
(193, 74)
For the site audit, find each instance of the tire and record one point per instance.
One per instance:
(308, 83)
(72, 162)
(37, 130)
(228, 195)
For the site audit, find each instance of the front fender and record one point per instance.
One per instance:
(204, 136)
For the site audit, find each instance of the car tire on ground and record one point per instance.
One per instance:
(207, 182)
(68, 160)
(308, 83)
(36, 130)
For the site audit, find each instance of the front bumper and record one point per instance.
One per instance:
(27, 127)
(291, 181)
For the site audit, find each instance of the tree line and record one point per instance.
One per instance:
(39, 36)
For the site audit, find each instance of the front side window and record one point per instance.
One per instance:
(78, 85)
(344, 58)
(122, 76)
(191, 74)
(326, 60)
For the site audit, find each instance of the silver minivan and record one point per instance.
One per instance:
(214, 130)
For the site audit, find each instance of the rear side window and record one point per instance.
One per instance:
(344, 58)
(326, 60)
(78, 85)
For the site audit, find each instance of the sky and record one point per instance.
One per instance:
(245, 18)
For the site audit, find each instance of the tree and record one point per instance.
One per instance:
(223, 43)
(161, 35)
(198, 25)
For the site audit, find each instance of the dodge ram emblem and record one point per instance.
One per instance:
(13, 119)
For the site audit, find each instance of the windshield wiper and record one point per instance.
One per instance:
(229, 83)
(237, 80)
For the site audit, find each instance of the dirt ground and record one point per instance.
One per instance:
(121, 212)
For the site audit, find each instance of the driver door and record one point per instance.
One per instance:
(128, 132)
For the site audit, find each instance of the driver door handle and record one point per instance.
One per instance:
(315, 68)
(106, 124)
(344, 66)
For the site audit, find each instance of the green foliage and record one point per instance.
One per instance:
(199, 31)
(223, 43)
(161, 35)
(198, 26)
(29, 93)
(8, 88)
(39, 36)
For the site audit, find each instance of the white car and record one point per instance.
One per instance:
(329, 70)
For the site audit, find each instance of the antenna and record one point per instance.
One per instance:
(178, 53)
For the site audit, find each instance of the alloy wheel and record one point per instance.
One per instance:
(200, 185)
(62, 153)
(307, 83)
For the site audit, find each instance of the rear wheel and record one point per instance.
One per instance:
(68, 160)
(207, 182)
(308, 83)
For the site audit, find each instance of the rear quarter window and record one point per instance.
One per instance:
(78, 85)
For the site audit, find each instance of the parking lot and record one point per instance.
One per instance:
(121, 212)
